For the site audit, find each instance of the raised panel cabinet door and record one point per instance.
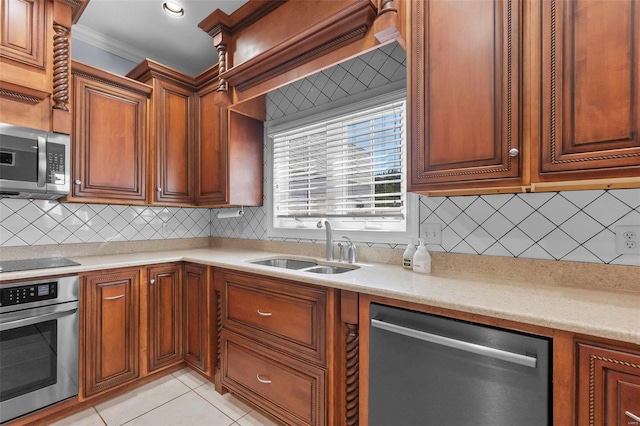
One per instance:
(110, 141)
(23, 33)
(590, 89)
(608, 386)
(211, 149)
(464, 94)
(196, 316)
(175, 177)
(164, 306)
(110, 319)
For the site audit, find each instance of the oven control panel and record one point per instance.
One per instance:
(28, 293)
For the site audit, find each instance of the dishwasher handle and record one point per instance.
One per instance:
(515, 358)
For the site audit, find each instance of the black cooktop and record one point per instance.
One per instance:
(27, 264)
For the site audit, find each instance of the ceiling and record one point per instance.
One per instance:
(138, 29)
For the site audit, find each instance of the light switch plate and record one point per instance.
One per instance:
(433, 233)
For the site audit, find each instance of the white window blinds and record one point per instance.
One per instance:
(347, 166)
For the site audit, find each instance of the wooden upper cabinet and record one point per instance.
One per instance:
(590, 89)
(164, 310)
(211, 149)
(35, 58)
(174, 143)
(23, 35)
(464, 94)
(110, 140)
(110, 322)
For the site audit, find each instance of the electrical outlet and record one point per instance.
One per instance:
(628, 239)
(166, 229)
(433, 233)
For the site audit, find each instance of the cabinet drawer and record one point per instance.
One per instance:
(281, 314)
(289, 389)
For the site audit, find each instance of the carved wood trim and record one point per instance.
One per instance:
(593, 358)
(338, 30)
(61, 67)
(220, 43)
(95, 74)
(15, 96)
(387, 6)
(352, 382)
(246, 15)
(218, 330)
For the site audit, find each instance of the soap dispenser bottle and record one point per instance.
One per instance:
(422, 259)
(407, 256)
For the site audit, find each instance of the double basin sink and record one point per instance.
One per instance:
(305, 265)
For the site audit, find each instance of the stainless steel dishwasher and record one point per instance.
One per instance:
(427, 370)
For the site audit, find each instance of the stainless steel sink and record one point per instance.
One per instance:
(324, 269)
(305, 265)
(286, 263)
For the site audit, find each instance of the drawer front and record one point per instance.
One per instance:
(287, 316)
(289, 389)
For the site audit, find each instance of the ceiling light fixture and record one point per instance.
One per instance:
(173, 9)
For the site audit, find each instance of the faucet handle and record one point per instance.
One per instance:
(352, 251)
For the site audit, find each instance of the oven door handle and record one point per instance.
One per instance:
(31, 320)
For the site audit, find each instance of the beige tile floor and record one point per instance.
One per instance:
(181, 398)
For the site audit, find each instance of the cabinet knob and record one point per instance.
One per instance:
(513, 152)
(77, 181)
(152, 281)
(159, 189)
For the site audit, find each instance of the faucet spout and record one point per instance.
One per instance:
(327, 226)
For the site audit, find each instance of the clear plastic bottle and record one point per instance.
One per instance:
(407, 256)
(422, 259)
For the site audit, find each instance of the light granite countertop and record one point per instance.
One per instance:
(610, 313)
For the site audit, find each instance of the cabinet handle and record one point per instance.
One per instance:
(513, 152)
(264, 314)
(632, 416)
(114, 297)
(159, 189)
(77, 181)
(261, 380)
(152, 281)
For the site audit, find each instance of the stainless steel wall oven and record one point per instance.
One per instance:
(39, 329)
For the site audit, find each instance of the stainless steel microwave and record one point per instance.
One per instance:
(33, 163)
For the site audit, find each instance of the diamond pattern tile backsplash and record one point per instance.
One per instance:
(573, 225)
(41, 222)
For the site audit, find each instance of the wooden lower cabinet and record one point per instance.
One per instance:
(273, 346)
(110, 329)
(164, 309)
(197, 316)
(608, 386)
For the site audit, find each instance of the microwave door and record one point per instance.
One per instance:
(20, 154)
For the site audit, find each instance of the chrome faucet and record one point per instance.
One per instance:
(327, 225)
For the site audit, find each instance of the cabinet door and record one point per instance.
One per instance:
(23, 35)
(211, 149)
(110, 141)
(174, 154)
(110, 320)
(608, 386)
(464, 94)
(196, 316)
(164, 304)
(591, 89)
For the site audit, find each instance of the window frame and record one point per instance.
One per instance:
(305, 228)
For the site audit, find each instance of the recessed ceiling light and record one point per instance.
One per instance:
(172, 9)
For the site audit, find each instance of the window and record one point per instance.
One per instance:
(348, 166)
